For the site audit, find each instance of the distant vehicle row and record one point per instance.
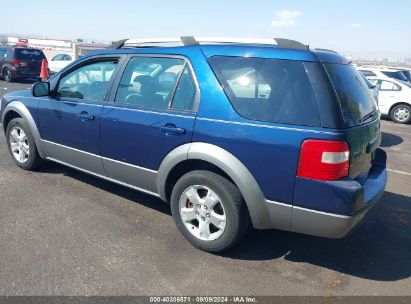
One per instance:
(394, 91)
(19, 63)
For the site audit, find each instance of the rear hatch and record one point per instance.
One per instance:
(360, 116)
(29, 60)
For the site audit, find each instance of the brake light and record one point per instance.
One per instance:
(324, 159)
(16, 62)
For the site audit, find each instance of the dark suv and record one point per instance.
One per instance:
(18, 63)
(268, 133)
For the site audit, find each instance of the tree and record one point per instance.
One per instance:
(3, 41)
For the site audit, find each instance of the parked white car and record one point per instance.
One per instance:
(394, 98)
(59, 61)
(382, 72)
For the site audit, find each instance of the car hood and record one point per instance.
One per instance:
(21, 93)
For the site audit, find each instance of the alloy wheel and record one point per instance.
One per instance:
(19, 145)
(402, 114)
(202, 212)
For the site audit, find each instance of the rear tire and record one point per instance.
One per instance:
(401, 114)
(22, 146)
(209, 211)
(7, 75)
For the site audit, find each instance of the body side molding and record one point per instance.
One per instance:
(21, 109)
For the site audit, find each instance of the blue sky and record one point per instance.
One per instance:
(365, 28)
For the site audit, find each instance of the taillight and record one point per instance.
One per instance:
(16, 62)
(324, 159)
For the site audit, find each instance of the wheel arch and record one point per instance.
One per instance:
(196, 156)
(17, 109)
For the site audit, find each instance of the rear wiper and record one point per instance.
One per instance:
(367, 116)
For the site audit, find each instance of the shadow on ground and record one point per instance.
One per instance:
(380, 249)
(390, 140)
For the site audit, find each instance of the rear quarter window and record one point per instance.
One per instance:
(353, 93)
(268, 90)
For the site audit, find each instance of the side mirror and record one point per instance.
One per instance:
(40, 89)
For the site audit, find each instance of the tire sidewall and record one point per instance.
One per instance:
(19, 122)
(232, 228)
(5, 73)
(400, 106)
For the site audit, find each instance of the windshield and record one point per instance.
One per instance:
(353, 92)
(369, 84)
(406, 83)
(23, 54)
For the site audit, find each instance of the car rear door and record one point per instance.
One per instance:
(151, 112)
(70, 118)
(389, 93)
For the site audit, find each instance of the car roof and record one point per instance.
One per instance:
(235, 50)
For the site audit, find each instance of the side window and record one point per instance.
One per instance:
(88, 82)
(367, 73)
(185, 92)
(67, 58)
(389, 86)
(268, 89)
(2, 53)
(149, 81)
(57, 57)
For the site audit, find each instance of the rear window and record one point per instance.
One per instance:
(395, 75)
(268, 89)
(367, 73)
(353, 92)
(22, 54)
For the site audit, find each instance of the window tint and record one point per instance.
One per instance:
(149, 81)
(87, 82)
(28, 54)
(354, 95)
(396, 75)
(268, 89)
(185, 92)
(57, 57)
(388, 86)
(367, 73)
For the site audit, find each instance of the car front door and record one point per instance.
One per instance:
(389, 93)
(70, 118)
(151, 113)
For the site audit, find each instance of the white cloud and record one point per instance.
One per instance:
(286, 18)
(356, 25)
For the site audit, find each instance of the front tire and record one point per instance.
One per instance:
(209, 211)
(22, 146)
(401, 114)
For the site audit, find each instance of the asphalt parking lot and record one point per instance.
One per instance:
(66, 233)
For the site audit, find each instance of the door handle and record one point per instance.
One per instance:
(171, 129)
(84, 116)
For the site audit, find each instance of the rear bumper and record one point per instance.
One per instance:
(333, 225)
(20, 73)
(358, 199)
(328, 225)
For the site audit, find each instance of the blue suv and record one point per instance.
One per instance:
(232, 133)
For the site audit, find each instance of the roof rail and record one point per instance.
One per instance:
(191, 40)
(117, 44)
(327, 50)
(291, 44)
